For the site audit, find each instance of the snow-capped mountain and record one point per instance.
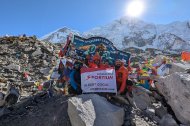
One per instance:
(127, 32)
(59, 36)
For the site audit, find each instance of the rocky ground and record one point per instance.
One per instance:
(39, 110)
(26, 60)
(23, 61)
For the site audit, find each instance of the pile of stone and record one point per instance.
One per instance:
(140, 110)
(24, 61)
(176, 89)
(149, 108)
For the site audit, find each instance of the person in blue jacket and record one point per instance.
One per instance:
(75, 78)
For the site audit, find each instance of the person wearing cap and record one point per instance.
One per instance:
(121, 76)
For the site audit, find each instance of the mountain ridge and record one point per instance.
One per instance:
(127, 32)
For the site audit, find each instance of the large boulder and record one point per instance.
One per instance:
(179, 67)
(94, 110)
(176, 90)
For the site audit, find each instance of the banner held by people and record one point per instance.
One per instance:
(98, 80)
(80, 48)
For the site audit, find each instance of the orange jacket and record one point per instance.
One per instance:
(92, 65)
(96, 57)
(185, 56)
(121, 77)
(104, 65)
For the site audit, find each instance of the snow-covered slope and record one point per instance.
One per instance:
(59, 36)
(127, 32)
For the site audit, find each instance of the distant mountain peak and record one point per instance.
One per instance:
(66, 29)
(132, 32)
(59, 35)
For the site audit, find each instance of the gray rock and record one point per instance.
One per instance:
(188, 71)
(156, 119)
(45, 71)
(4, 111)
(50, 49)
(37, 52)
(93, 110)
(150, 112)
(13, 67)
(141, 99)
(157, 96)
(53, 58)
(45, 63)
(161, 111)
(120, 99)
(2, 101)
(167, 120)
(1, 96)
(45, 56)
(28, 83)
(176, 90)
(127, 123)
(183, 125)
(28, 49)
(12, 96)
(179, 67)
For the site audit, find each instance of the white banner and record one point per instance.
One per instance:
(98, 80)
(163, 70)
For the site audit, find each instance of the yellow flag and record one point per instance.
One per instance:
(48, 77)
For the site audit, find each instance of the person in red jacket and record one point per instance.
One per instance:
(96, 60)
(104, 64)
(121, 76)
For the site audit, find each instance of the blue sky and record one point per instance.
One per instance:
(39, 17)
